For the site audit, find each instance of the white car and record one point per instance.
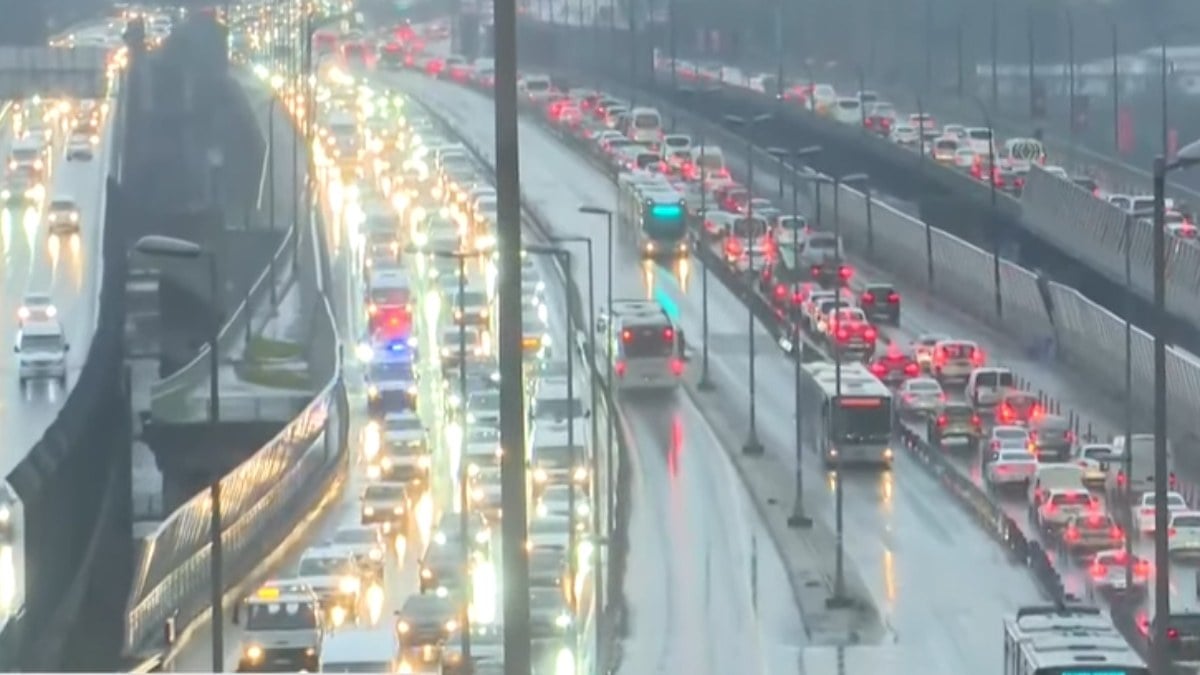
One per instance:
(1060, 506)
(921, 396)
(62, 216)
(965, 158)
(80, 147)
(905, 134)
(1184, 536)
(36, 307)
(1005, 437)
(364, 542)
(1096, 460)
(1010, 466)
(1108, 570)
(1143, 510)
(41, 350)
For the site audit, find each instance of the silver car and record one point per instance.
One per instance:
(921, 396)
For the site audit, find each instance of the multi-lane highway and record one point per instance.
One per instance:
(921, 557)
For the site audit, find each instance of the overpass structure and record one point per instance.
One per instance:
(53, 72)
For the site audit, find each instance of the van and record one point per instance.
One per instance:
(645, 126)
(707, 162)
(362, 650)
(1141, 461)
(979, 139)
(985, 386)
(848, 110)
(41, 350)
(536, 88)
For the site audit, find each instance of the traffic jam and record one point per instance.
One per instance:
(1075, 491)
(418, 214)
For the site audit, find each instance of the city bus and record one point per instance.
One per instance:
(1061, 640)
(848, 422)
(650, 207)
(647, 347)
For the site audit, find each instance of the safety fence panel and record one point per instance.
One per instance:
(1023, 306)
(1071, 218)
(963, 274)
(1183, 279)
(258, 500)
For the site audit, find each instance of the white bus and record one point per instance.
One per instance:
(1060, 640)
(647, 346)
(850, 425)
(650, 206)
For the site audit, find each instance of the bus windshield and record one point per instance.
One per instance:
(863, 419)
(666, 219)
(389, 296)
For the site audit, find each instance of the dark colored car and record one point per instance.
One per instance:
(958, 421)
(881, 304)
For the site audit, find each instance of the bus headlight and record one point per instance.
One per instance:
(373, 391)
(376, 554)
(540, 475)
(254, 653)
(451, 626)
(423, 461)
(887, 454)
(402, 627)
(563, 621)
(369, 510)
(581, 474)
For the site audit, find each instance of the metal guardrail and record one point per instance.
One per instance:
(261, 500)
(168, 395)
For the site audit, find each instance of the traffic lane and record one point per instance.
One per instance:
(400, 581)
(557, 182)
(31, 261)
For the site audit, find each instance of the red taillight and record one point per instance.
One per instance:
(668, 335)
(942, 421)
(1172, 633)
(798, 297)
(977, 357)
(845, 272)
(1171, 532)
(868, 298)
(893, 298)
(1173, 480)
(619, 367)
(995, 445)
(843, 335)
(975, 420)
(912, 370)
(780, 291)
(816, 271)
(1099, 571)
(676, 367)
(1121, 478)
(627, 335)
(1072, 534)
(878, 369)
(869, 334)
(1115, 532)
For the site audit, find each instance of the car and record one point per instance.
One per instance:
(1143, 510)
(8, 515)
(894, 366)
(442, 567)
(1096, 459)
(548, 568)
(957, 421)
(81, 147)
(333, 574)
(1052, 438)
(921, 396)
(1059, 506)
(1091, 532)
(953, 360)
(41, 350)
(1116, 572)
(1018, 408)
(881, 303)
(36, 307)
(487, 650)
(483, 407)
(386, 505)
(1008, 437)
(424, 622)
(1184, 534)
(1008, 466)
(62, 215)
(391, 385)
(556, 500)
(449, 530)
(366, 545)
(550, 615)
(923, 348)
(904, 134)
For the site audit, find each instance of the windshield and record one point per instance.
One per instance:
(384, 492)
(25, 154)
(470, 299)
(1186, 521)
(363, 536)
(924, 387)
(848, 104)
(558, 408)
(1009, 456)
(357, 667)
(289, 616)
(480, 434)
(321, 567)
(646, 121)
(863, 420)
(749, 227)
(537, 85)
(712, 161)
(979, 134)
(406, 423)
(484, 401)
(556, 456)
(676, 142)
(823, 243)
(1010, 434)
(1070, 499)
(392, 370)
(343, 129)
(41, 343)
(946, 145)
(646, 159)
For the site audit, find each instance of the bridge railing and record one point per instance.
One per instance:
(261, 500)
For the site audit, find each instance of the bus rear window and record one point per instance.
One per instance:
(645, 342)
(863, 419)
(389, 296)
(646, 121)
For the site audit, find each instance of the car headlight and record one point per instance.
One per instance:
(540, 475)
(254, 653)
(476, 495)
(373, 391)
(51, 311)
(349, 584)
(563, 621)
(423, 461)
(74, 217)
(581, 474)
(397, 510)
(426, 573)
(483, 537)
(451, 626)
(402, 627)
(376, 554)
(369, 510)
(23, 313)
(583, 509)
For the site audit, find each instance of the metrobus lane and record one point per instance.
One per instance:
(924, 314)
(931, 571)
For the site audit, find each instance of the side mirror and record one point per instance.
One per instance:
(237, 614)
(587, 414)
(67, 347)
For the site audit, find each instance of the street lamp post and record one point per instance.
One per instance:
(1186, 158)
(753, 445)
(172, 248)
(609, 441)
(987, 119)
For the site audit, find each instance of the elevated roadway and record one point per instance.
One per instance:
(906, 537)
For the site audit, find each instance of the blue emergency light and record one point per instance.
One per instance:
(400, 346)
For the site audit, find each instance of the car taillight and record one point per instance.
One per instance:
(1142, 568)
(677, 367)
(942, 421)
(1172, 633)
(1115, 532)
(845, 272)
(843, 335)
(668, 335)
(627, 336)
(780, 291)
(995, 445)
(1072, 534)
(1099, 571)
(912, 370)
(816, 271)
(1121, 478)
(619, 367)
(893, 298)
(878, 369)
(868, 298)
(975, 420)
(798, 297)
(870, 334)
(978, 358)
(1171, 532)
